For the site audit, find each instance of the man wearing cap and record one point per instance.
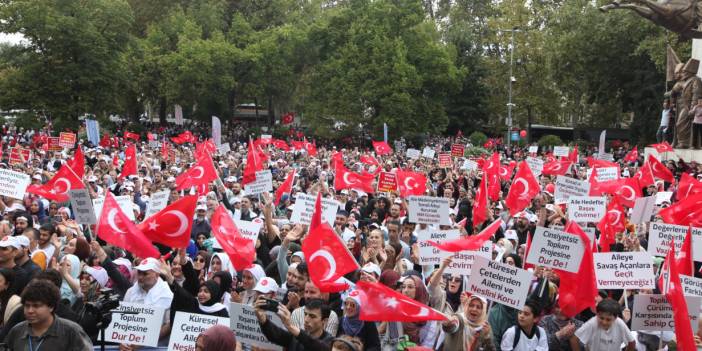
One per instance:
(8, 251)
(200, 224)
(22, 258)
(245, 213)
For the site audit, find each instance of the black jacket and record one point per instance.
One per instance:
(302, 342)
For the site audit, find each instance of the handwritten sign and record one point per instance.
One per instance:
(567, 187)
(624, 270)
(188, 326)
(660, 234)
(386, 182)
(457, 150)
(654, 313)
(141, 329)
(248, 331)
(157, 202)
(82, 206)
(13, 184)
(499, 282)
(536, 165)
(304, 207)
(583, 209)
(262, 184)
(429, 210)
(124, 202)
(67, 140)
(556, 249)
(428, 254)
(561, 151)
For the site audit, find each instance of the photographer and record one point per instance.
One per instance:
(293, 339)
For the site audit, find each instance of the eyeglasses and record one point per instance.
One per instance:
(456, 279)
(200, 259)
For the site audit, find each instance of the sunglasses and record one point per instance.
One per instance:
(200, 259)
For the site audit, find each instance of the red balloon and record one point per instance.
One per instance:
(523, 133)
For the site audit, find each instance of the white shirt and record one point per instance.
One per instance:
(525, 344)
(160, 295)
(596, 338)
(665, 118)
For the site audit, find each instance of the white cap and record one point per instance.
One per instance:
(149, 264)
(92, 178)
(511, 234)
(148, 179)
(201, 207)
(266, 285)
(371, 268)
(170, 179)
(231, 179)
(9, 241)
(22, 240)
(36, 176)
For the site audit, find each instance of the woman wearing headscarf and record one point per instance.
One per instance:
(70, 270)
(216, 338)
(352, 326)
(249, 278)
(224, 279)
(36, 210)
(422, 333)
(206, 302)
(468, 329)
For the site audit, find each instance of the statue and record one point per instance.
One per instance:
(679, 16)
(685, 93)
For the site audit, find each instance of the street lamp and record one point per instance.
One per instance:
(511, 80)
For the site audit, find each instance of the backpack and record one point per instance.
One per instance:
(518, 334)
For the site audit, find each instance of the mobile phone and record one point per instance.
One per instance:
(57, 218)
(271, 305)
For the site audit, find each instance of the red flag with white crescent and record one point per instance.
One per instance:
(57, 187)
(171, 226)
(381, 303)
(200, 174)
(117, 229)
(411, 183)
(241, 251)
(524, 188)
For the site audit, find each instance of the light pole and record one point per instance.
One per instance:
(511, 80)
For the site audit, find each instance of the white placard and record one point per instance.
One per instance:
(590, 232)
(556, 249)
(691, 286)
(499, 282)
(250, 229)
(470, 165)
(413, 153)
(428, 254)
(663, 196)
(124, 202)
(462, 263)
(561, 151)
(304, 207)
(533, 149)
(605, 173)
(248, 331)
(643, 210)
(624, 270)
(13, 184)
(188, 326)
(605, 157)
(429, 210)
(157, 202)
(262, 184)
(660, 234)
(82, 206)
(567, 187)
(428, 152)
(583, 209)
(141, 329)
(536, 165)
(266, 136)
(654, 313)
(224, 148)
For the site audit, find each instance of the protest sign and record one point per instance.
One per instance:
(413, 153)
(250, 229)
(157, 202)
(469, 165)
(691, 286)
(428, 254)
(67, 140)
(82, 206)
(140, 327)
(188, 326)
(428, 152)
(124, 202)
(262, 184)
(660, 234)
(248, 330)
(624, 270)
(19, 155)
(224, 148)
(605, 173)
(445, 160)
(663, 196)
(536, 165)
(567, 187)
(53, 144)
(386, 182)
(462, 262)
(304, 207)
(654, 313)
(605, 156)
(556, 249)
(585, 209)
(13, 184)
(499, 282)
(561, 151)
(457, 150)
(533, 149)
(429, 210)
(643, 210)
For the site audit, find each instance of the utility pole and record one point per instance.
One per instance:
(511, 80)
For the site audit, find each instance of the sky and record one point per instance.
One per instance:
(10, 38)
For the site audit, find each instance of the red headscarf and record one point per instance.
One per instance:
(218, 338)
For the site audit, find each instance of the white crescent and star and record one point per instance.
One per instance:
(111, 221)
(62, 181)
(346, 179)
(330, 260)
(183, 223)
(631, 191)
(526, 186)
(617, 214)
(407, 183)
(198, 169)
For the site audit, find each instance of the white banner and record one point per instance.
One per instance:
(429, 210)
(82, 206)
(413, 153)
(178, 115)
(660, 234)
(428, 152)
(304, 207)
(691, 286)
(533, 149)
(248, 331)
(428, 254)
(654, 313)
(561, 151)
(604, 173)
(224, 148)
(470, 165)
(601, 147)
(124, 201)
(142, 328)
(188, 326)
(157, 202)
(216, 131)
(262, 184)
(584, 209)
(499, 282)
(13, 184)
(624, 270)
(556, 249)
(536, 165)
(567, 187)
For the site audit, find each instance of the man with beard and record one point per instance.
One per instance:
(245, 213)
(201, 224)
(44, 240)
(8, 251)
(22, 259)
(22, 222)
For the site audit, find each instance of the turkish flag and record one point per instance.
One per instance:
(241, 251)
(164, 149)
(77, 163)
(688, 186)
(557, 168)
(130, 162)
(206, 147)
(106, 140)
(633, 155)
(178, 140)
(480, 204)
(675, 294)
(573, 155)
(687, 211)
(287, 118)
(201, 173)
(628, 191)
(614, 221)
(286, 187)
(117, 229)
(506, 172)
(310, 148)
(171, 226)
(526, 251)
(253, 165)
(329, 259)
(645, 175)
(369, 160)
(130, 135)
(524, 188)
(150, 136)
(469, 243)
(411, 183)
(662, 147)
(381, 303)
(57, 187)
(491, 170)
(381, 148)
(316, 219)
(297, 145)
(659, 170)
(345, 179)
(598, 188)
(281, 144)
(685, 263)
(336, 158)
(597, 163)
(578, 290)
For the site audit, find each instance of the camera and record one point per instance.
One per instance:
(96, 315)
(271, 305)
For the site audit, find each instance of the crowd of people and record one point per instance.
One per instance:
(57, 275)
